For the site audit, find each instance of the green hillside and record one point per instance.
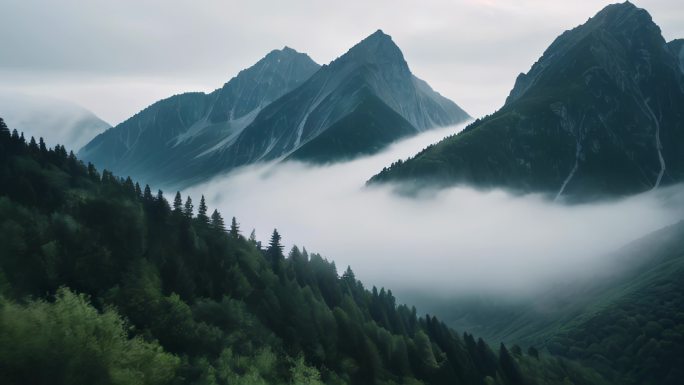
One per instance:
(167, 294)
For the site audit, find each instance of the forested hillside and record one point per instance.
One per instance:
(627, 322)
(105, 282)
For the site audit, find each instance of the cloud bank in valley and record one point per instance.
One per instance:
(456, 240)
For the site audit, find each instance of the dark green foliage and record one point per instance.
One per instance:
(234, 229)
(187, 209)
(202, 211)
(217, 302)
(217, 222)
(177, 203)
(533, 352)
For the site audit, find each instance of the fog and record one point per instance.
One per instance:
(456, 240)
(56, 121)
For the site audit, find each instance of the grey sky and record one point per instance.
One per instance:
(117, 57)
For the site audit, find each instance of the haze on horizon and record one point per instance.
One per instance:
(116, 58)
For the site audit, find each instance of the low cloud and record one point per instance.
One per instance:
(457, 240)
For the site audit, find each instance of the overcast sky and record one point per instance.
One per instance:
(117, 57)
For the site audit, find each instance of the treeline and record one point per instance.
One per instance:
(167, 294)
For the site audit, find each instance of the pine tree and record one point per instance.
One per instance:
(177, 203)
(4, 130)
(274, 252)
(188, 207)
(92, 171)
(138, 193)
(217, 221)
(202, 211)
(33, 146)
(147, 195)
(128, 185)
(508, 366)
(41, 145)
(234, 229)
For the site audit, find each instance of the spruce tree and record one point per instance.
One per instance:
(177, 203)
(202, 211)
(274, 252)
(33, 146)
(217, 221)
(508, 366)
(138, 192)
(234, 229)
(188, 207)
(128, 185)
(4, 130)
(147, 195)
(41, 145)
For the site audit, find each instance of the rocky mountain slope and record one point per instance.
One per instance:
(600, 114)
(158, 141)
(356, 105)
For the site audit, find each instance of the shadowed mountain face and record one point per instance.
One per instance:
(600, 114)
(159, 140)
(372, 73)
(356, 105)
(677, 48)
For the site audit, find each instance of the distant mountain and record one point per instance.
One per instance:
(600, 114)
(56, 121)
(356, 105)
(159, 141)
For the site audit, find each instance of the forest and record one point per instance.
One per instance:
(103, 281)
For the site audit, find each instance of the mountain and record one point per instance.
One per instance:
(372, 74)
(600, 114)
(677, 48)
(56, 121)
(356, 105)
(158, 141)
(626, 322)
(103, 282)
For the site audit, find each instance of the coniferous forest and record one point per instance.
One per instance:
(104, 281)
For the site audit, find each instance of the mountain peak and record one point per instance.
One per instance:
(620, 15)
(284, 52)
(380, 34)
(376, 48)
